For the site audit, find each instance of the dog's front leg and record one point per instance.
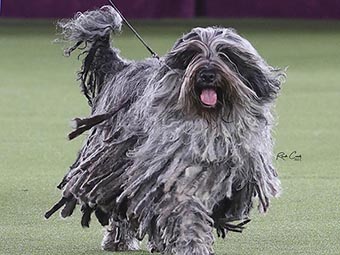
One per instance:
(118, 237)
(185, 227)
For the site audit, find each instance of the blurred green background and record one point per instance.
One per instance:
(39, 95)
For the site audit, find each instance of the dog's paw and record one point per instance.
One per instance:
(131, 245)
(152, 247)
(191, 248)
(111, 243)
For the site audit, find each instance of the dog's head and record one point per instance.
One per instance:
(221, 69)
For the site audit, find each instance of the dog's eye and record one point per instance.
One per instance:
(228, 59)
(181, 60)
(188, 57)
(222, 52)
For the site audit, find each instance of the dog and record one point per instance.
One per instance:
(177, 146)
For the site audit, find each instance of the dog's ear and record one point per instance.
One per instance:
(185, 38)
(242, 57)
(263, 79)
(266, 82)
(182, 52)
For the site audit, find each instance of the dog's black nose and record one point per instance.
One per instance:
(207, 75)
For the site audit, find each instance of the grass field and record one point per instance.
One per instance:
(39, 95)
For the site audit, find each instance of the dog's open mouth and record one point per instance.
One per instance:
(208, 96)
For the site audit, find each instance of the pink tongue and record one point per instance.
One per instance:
(209, 97)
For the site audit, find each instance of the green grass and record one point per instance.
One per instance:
(39, 95)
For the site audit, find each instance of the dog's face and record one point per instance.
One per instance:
(220, 69)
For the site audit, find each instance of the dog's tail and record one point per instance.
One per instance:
(90, 31)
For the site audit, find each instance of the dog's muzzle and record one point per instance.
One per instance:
(206, 88)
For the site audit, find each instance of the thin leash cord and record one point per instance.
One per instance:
(153, 53)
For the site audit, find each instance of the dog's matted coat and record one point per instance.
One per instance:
(177, 146)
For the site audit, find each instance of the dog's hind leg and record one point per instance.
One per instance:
(118, 237)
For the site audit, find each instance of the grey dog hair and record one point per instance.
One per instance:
(155, 161)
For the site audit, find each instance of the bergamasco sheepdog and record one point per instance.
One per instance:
(176, 146)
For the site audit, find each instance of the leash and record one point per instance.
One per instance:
(153, 53)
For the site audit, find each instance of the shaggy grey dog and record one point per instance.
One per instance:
(177, 146)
